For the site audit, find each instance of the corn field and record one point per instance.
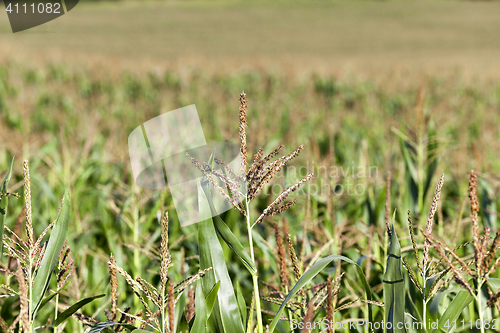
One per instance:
(369, 207)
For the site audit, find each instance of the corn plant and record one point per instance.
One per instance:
(159, 302)
(483, 264)
(435, 278)
(295, 256)
(33, 262)
(419, 149)
(259, 174)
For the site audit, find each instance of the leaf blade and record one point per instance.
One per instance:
(3, 204)
(310, 274)
(453, 311)
(227, 315)
(394, 288)
(241, 303)
(54, 247)
(227, 235)
(200, 319)
(212, 298)
(99, 327)
(61, 317)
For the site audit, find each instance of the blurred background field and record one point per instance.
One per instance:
(341, 77)
(310, 35)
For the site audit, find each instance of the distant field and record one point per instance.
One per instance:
(319, 35)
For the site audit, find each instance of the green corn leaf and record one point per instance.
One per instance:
(488, 203)
(226, 316)
(212, 298)
(409, 163)
(438, 298)
(183, 325)
(179, 311)
(200, 320)
(209, 303)
(47, 299)
(267, 252)
(411, 173)
(101, 326)
(311, 274)
(54, 247)
(241, 303)
(494, 284)
(394, 288)
(433, 160)
(61, 317)
(3, 204)
(453, 311)
(226, 234)
(138, 330)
